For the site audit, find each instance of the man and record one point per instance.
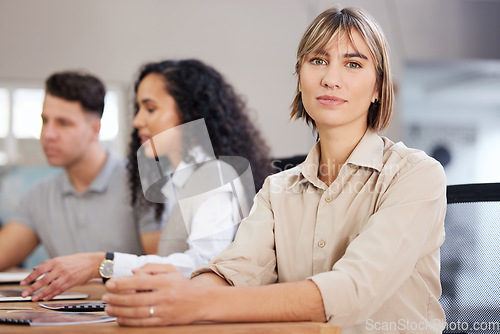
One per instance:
(85, 208)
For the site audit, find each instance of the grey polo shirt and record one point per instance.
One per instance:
(98, 220)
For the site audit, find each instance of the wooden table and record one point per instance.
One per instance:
(96, 289)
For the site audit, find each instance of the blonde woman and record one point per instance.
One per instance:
(351, 236)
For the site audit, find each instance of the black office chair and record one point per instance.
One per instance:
(281, 164)
(470, 259)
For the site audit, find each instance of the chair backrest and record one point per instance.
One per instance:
(470, 259)
(281, 164)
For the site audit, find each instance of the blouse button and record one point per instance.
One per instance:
(321, 243)
(328, 198)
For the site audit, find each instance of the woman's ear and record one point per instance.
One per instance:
(377, 90)
(375, 96)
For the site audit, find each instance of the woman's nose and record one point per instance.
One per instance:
(331, 78)
(138, 120)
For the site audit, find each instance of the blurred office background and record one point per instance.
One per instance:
(446, 61)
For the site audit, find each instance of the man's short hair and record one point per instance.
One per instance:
(80, 87)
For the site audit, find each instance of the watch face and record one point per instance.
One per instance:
(106, 268)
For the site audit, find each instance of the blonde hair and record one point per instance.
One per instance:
(331, 23)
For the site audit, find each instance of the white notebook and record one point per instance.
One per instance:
(13, 277)
(14, 295)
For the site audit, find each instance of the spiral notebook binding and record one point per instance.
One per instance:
(10, 321)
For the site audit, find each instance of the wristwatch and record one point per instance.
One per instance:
(106, 267)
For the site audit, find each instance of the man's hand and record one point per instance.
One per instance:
(61, 273)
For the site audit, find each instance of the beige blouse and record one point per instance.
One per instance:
(370, 241)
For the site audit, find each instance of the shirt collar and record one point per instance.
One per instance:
(368, 154)
(309, 168)
(185, 169)
(100, 183)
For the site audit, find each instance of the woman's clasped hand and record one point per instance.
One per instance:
(156, 295)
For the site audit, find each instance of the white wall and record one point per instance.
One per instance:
(252, 42)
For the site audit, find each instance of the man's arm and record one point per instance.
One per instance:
(61, 273)
(16, 243)
(64, 272)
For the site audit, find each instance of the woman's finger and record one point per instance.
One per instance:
(129, 299)
(137, 283)
(138, 312)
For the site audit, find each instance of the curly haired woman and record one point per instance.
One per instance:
(174, 95)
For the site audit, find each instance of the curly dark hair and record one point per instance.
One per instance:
(80, 87)
(201, 92)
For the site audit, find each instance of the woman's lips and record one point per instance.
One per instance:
(144, 138)
(330, 101)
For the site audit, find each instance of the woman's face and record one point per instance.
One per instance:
(157, 111)
(339, 83)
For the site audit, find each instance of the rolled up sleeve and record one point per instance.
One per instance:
(251, 259)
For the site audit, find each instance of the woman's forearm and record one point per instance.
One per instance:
(168, 298)
(296, 301)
